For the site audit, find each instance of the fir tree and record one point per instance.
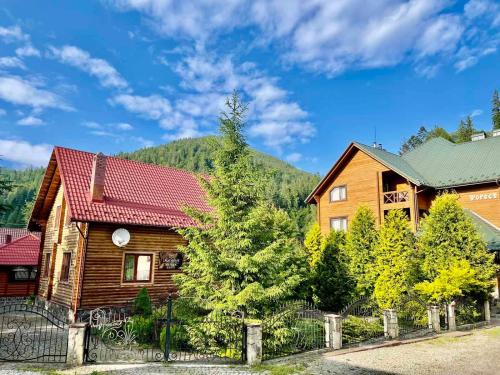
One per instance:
(359, 248)
(331, 283)
(447, 233)
(495, 110)
(5, 187)
(465, 130)
(415, 140)
(313, 244)
(243, 254)
(395, 263)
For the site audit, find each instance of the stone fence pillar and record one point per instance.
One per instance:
(487, 311)
(254, 343)
(436, 325)
(391, 327)
(76, 343)
(333, 331)
(452, 319)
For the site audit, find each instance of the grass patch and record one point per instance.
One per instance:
(41, 370)
(278, 369)
(492, 332)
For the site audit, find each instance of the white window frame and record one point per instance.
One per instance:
(343, 223)
(342, 195)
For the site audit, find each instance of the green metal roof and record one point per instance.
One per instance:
(489, 232)
(440, 164)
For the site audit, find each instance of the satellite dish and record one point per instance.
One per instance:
(120, 237)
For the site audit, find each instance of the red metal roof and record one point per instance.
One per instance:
(134, 192)
(21, 252)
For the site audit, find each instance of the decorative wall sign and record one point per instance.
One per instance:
(483, 196)
(169, 261)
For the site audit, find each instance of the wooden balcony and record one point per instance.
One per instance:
(391, 197)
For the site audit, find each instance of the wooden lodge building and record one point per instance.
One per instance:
(19, 250)
(371, 176)
(84, 198)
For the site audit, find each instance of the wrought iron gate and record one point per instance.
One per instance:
(29, 333)
(172, 336)
(413, 317)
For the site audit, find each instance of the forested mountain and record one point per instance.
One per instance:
(288, 186)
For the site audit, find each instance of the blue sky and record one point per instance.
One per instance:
(117, 75)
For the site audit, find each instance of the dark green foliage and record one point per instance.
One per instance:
(143, 328)
(495, 110)
(5, 188)
(356, 329)
(465, 130)
(332, 286)
(414, 140)
(142, 303)
(24, 186)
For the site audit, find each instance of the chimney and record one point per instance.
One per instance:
(98, 178)
(8, 238)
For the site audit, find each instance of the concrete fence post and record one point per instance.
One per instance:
(254, 343)
(452, 320)
(487, 311)
(76, 343)
(391, 326)
(436, 325)
(334, 332)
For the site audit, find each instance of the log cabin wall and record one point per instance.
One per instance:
(103, 283)
(61, 237)
(484, 200)
(362, 175)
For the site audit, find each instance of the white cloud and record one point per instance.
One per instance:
(153, 107)
(19, 91)
(476, 112)
(143, 142)
(124, 126)
(92, 125)
(334, 36)
(11, 62)
(294, 157)
(27, 51)
(30, 121)
(107, 75)
(12, 34)
(24, 153)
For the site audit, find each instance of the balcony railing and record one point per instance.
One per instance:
(396, 197)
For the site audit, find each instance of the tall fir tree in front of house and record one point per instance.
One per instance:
(313, 244)
(243, 254)
(448, 234)
(332, 285)
(360, 250)
(495, 110)
(395, 263)
(465, 130)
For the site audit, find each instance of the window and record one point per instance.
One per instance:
(47, 265)
(338, 223)
(65, 267)
(137, 267)
(338, 193)
(23, 273)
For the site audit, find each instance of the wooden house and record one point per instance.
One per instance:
(83, 200)
(371, 176)
(19, 252)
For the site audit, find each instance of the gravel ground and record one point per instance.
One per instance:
(477, 353)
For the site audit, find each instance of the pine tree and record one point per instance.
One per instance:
(395, 263)
(359, 248)
(447, 233)
(495, 110)
(5, 187)
(465, 130)
(414, 141)
(313, 244)
(243, 254)
(331, 284)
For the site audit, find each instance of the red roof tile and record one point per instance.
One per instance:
(21, 252)
(134, 192)
(14, 234)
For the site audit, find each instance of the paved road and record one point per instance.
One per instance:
(478, 353)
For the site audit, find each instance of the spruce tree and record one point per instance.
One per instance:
(331, 284)
(313, 244)
(447, 234)
(395, 262)
(359, 248)
(495, 110)
(243, 254)
(5, 187)
(465, 130)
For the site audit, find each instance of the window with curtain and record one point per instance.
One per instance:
(137, 267)
(338, 193)
(339, 223)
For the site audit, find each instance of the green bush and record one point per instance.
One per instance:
(142, 303)
(143, 328)
(360, 329)
(179, 339)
